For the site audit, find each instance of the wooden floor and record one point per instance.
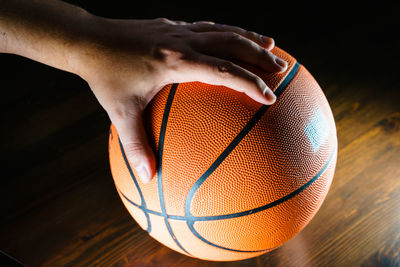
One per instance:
(59, 206)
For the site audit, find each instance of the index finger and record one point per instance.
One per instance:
(218, 71)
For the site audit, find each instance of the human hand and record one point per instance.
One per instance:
(126, 62)
(129, 61)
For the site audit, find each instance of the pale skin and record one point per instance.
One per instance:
(126, 62)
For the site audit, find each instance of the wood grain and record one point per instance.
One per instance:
(60, 208)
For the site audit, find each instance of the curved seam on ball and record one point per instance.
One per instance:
(193, 219)
(137, 186)
(159, 163)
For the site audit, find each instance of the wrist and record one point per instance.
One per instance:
(51, 32)
(85, 44)
(102, 46)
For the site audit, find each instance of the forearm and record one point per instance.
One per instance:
(48, 31)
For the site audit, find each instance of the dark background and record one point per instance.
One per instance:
(350, 36)
(334, 39)
(54, 133)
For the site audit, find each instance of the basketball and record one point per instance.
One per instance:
(235, 179)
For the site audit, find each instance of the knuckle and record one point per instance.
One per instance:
(259, 83)
(204, 22)
(117, 114)
(264, 52)
(255, 36)
(201, 26)
(159, 51)
(270, 56)
(135, 153)
(134, 148)
(255, 80)
(165, 53)
(176, 36)
(180, 22)
(225, 67)
(164, 20)
(128, 108)
(207, 22)
(252, 33)
(138, 101)
(171, 59)
(240, 30)
(230, 37)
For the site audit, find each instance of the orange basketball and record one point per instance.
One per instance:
(235, 178)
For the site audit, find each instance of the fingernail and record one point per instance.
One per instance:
(144, 173)
(281, 63)
(267, 92)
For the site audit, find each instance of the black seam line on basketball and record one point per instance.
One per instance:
(174, 217)
(189, 218)
(191, 227)
(272, 204)
(193, 219)
(160, 157)
(287, 79)
(137, 186)
(246, 129)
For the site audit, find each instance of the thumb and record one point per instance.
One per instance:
(133, 137)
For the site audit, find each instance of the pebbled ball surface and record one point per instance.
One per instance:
(267, 188)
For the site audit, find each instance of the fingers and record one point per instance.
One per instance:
(234, 46)
(232, 42)
(134, 140)
(217, 71)
(208, 26)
